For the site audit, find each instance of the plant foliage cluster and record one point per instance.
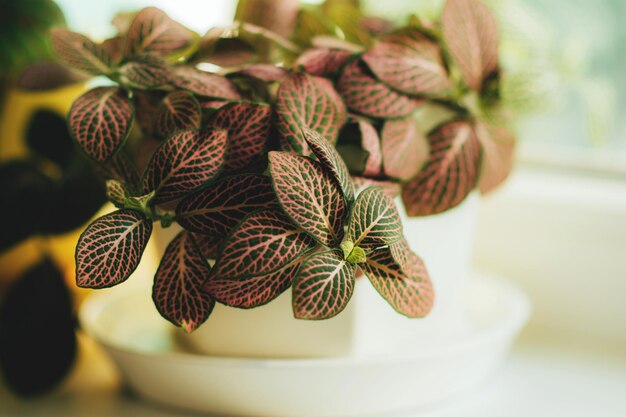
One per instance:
(279, 154)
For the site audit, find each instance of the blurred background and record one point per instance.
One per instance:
(557, 227)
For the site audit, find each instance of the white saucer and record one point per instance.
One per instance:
(158, 368)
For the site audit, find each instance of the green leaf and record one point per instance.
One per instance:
(374, 220)
(323, 286)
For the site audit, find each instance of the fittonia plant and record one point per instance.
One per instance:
(245, 158)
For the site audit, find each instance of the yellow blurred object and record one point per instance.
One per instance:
(18, 109)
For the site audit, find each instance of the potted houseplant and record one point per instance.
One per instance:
(280, 155)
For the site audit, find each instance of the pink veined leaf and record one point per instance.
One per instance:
(146, 106)
(332, 42)
(212, 104)
(264, 72)
(408, 61)
(323, 62)
(374, 220)
(179, 110)
(323, 286)
(209, 246)
(117, 192)
(390, 188)
(177, 291)
(450, 173)
(400, 251)
(114, 47)
(153, 32)
(121, 168)
(79, 52)
(216, 209)
(251, 291)
(305, 101)
(309, 195)
(366, 95)
(219, 49)
(263, 243)
(145, 72)
(331, 160)
(404, 147)
(248, 126)
(408, 291)
(471, 33)
(204, 83)
(110, 249)
(100, 121)
(498, 150)
(184, 162)
(370, 141)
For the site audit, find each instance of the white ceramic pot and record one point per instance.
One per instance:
(368, 325)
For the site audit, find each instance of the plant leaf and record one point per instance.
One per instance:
(409, 62)
(322, 62)
(121, 168)
(471, 33)
(100, 121)
(374, 220)
(331, 160)
(204, 83)
(153, 32)
(409, 292)
(264, 242)
(404, 148)
(309, 195)
(250, 292)
(370, 141)
(209, 246)
(305, 101)
(110, 249)
(184, 162)
(264, 72)
(248, 126)
(145, 72)
(390, 188)
(366, 95)
(117, 193)
(450, 173)
(179, 110)
(323, 286)
(177, 291)
(498, 149)
(216, 209)
(79, 52)
(400, 251)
